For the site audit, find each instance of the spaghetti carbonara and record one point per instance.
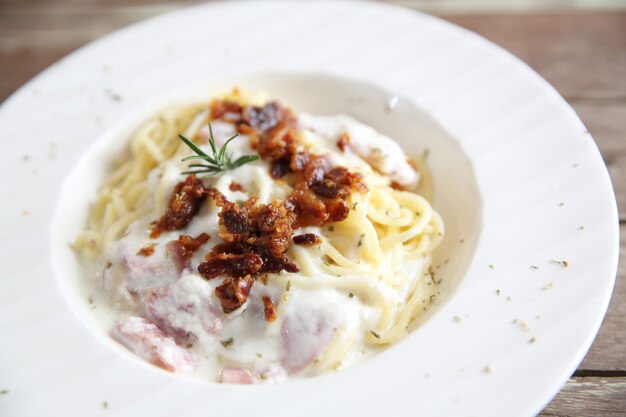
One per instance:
(303, 261)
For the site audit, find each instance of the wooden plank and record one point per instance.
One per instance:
(32, 38)
(99, 4)
(36, 33)
(608, 352)
(585, 397)
(606, 121)
(582, 54)
(19, 66)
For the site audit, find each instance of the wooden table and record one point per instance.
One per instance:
(583, 54)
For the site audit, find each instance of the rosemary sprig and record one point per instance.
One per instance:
(216, 164)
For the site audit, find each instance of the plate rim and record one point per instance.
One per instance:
(9, 101)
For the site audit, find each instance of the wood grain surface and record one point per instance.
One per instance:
(581, 53)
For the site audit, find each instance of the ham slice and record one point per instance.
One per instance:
(146, 340)
(183, 310)
(240, 375)
(235, 376)
(304, 338)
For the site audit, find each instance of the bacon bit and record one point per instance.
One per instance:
(264, 118)
(182, 250)
(257, 236)
(271, 262)
(234, 292)
(299, 161)
(219, 108)
(310, 210)
(233, 265)
(338, 210)
(279, 168)
(343, 142)
(329, 189)
(308, 239)
(272, 130)
(275, 264)
(274, 223)
(338, 183)
(192, 244)
(346, 180)
(184, 204)
(313, 170)
(270, 311)
(265, 225)
(147, 250)
(397, 186)
(233, 221)
(278, 143)
(235, 186)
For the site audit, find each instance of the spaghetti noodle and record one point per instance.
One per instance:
(357, 288)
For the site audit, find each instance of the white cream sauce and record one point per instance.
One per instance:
(172, 318)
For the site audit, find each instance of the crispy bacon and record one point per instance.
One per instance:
(263, 225)
(257, 236)
(339, 182)
(278, 143)
(330, 189)
(182, 250)
(397, 186)
(233, 220)
(269, 310)
(220, 107)
(227, 254)
(314, 170)
(184, 204)
(273, 263)
(309, 209)
(308, 239)
(234, 292)
(147, 250)
(266, 117)
(272, 226)
(343, 142)
(319, 191)
(235, 186)
(279, 168)
(231, 264)
(338, 210)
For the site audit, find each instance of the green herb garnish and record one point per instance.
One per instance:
(219, 162)
(361, 240)
(226, 343)
(564, 262)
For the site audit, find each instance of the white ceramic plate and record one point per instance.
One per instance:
(515, 175)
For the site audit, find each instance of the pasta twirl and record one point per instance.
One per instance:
(223, 292)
